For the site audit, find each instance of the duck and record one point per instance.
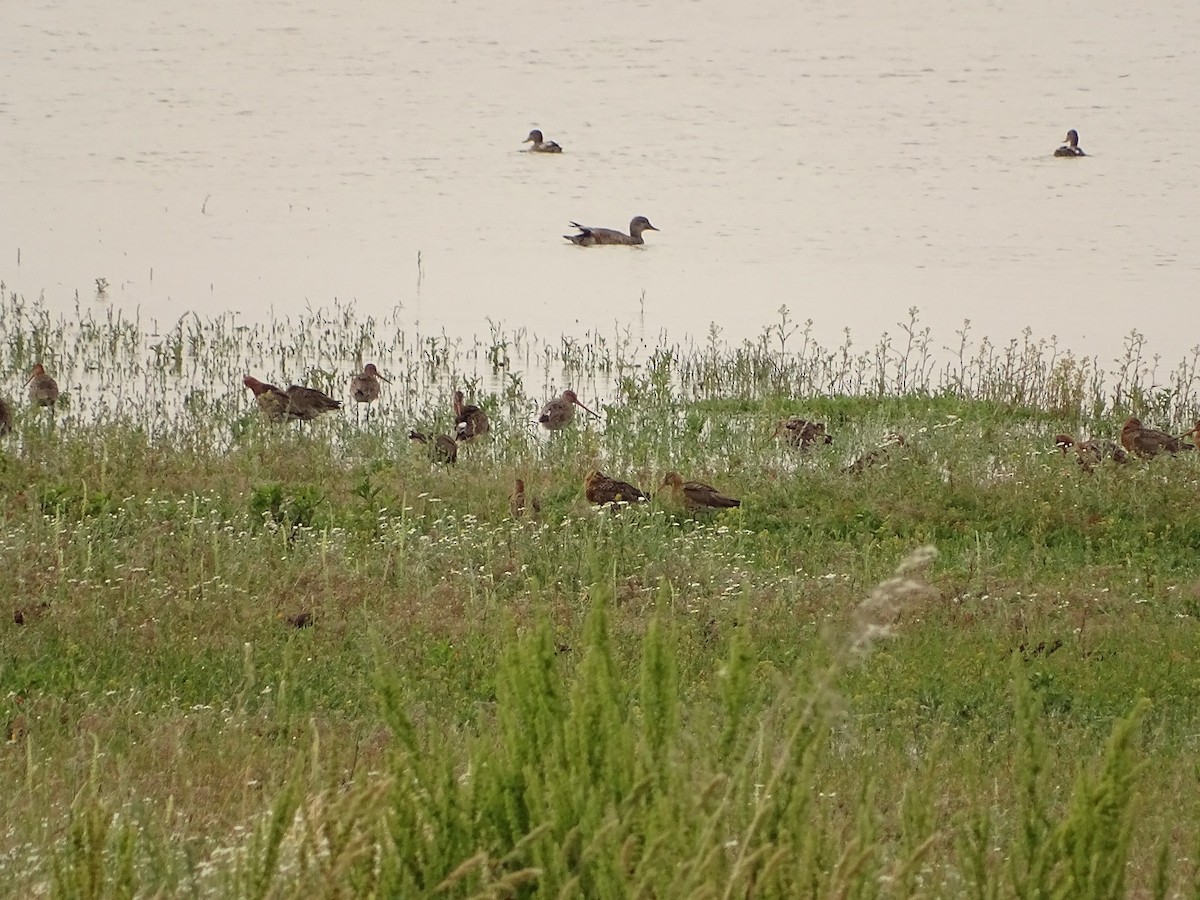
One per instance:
(696, 495)
(1071, 147)
(590, 237)
(602, 490)
(540, 145)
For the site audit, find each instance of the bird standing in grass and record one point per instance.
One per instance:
(1090, 454)
(469, 421)
(43, 390)
(441, 448)
(271, 400)
(560, 412)
(601, 490)
(301, 403)
(364, 387)
(520, 504)
(1147, 443)
(697, 495)
(803, 434)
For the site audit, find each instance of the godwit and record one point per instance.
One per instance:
(364, 387)
(443, 449)
(876, 456)
(469, 421)
(1071, 147)
(560, 412)
(540, 145)
(305, 403)
(1148, 443)
(600, 489)
(5, 417)
(43, 390)
(589, 236)
(1089, 454)
(802, 433)
(518, 503)
(696, 495)
(271, 400)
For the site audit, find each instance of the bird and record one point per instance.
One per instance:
(1089, 454)
(589, 237)
(271, 400)
(803, 433)
(560, 412)
(1148, 443)
(696, 495)
(43, 390)
(601, 490)
(305, 403)
(1071, 147)
(520, 504)
(5, 417)
(876, 456)
(469, 421)
(302, 619)
(364, 387)
(539, 144)
(443, 449)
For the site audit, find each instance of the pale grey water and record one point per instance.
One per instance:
(848, 159)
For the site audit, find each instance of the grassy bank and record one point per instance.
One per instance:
(797, 697)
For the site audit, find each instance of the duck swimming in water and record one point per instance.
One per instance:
(539, 144)
(589, 237)
(1071, 147)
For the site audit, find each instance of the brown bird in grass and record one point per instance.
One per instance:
(271, 400)
(469, 421)
(1148, 443)
(876, 456)
(519, 503)
(364, 387)
(442, 449)
(803, 433)
(43, 390)
(1090, 454)
(5, 417)
(697, 495)
(601, 490)
(303, 619)
(560, 412)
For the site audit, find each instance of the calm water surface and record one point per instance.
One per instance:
(845, 159)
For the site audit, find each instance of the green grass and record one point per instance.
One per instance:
(596, 703)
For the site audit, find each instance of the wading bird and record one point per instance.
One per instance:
(560, 412)
(696, 495)
(876, 456)
(589, 236)
(301, 403)
(540, 145)
(519, 503)
(442, 449)
(469, 421)
(43, 390)
(364, 387)
(803, 433)
(1090, 454)
(1148, 443)
(600, 489)
(1071, 147)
